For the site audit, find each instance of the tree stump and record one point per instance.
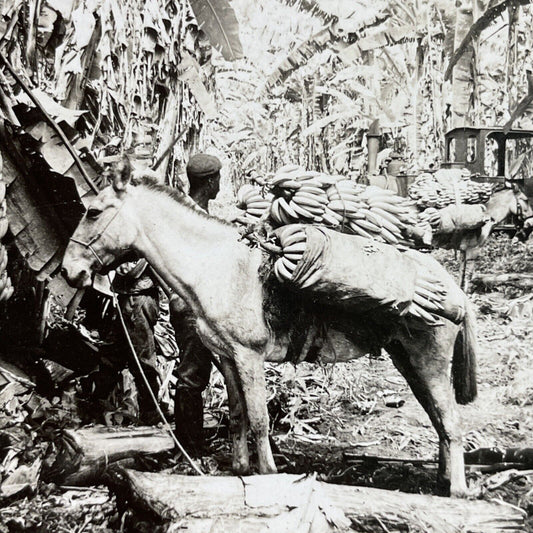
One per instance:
(84, 454)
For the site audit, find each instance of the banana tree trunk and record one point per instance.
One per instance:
(463, 73)
(511, 75)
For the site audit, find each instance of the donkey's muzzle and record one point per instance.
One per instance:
(78, 278)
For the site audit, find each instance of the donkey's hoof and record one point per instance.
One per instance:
(466, 493)
(444, 488)
(458, 489)
(268, 469)
(240, 468)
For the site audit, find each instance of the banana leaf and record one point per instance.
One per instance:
(39, 234)
(475, 30)
(299, 57)
(217, 19)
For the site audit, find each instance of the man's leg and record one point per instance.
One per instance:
(140, 315)
(193, 372)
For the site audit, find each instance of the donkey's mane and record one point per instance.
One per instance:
(179, 197)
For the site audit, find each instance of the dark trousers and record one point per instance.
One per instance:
(193, 373)
(140, 314)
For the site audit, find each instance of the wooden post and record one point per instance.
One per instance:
(373, 139)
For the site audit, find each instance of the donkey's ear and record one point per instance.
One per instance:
(122, 174)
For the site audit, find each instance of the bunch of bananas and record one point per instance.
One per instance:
(370, 212)
(300, 195)
(432, 190)
(429, 293)
(428, 297)
(293, 243)
(255, 201)
(6, 288)
(429, 219)
(337, 202)
(294, 196)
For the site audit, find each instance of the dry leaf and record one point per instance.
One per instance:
(83, 25)
(64, 7)
(22, 478)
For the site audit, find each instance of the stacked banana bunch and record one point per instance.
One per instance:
(429, 220)
(293, 241)
(370, 212)
(295, 196)
(430, 191)
(6, 288)
(428, 297)
(429, 293)
(312, 197)
(255, 201)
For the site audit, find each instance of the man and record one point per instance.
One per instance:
(194, 369)
(138, 298)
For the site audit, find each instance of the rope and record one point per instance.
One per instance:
(456, 192)
(343, 206)
(166, 425)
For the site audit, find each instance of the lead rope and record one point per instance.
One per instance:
(166, 425)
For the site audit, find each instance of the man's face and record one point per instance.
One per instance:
(206, 189)
(213, 186)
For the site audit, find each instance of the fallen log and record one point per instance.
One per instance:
(494, 455)
(292, 503)
(494, 281)
(84, 454)
(482, 458)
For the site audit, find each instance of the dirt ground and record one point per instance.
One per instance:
(324, 416)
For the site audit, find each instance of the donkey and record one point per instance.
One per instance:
(502, 204)
(205, 261)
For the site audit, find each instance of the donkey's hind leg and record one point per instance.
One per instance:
(238, 419)
(425, 362)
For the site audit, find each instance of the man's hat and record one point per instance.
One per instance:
(203, 165)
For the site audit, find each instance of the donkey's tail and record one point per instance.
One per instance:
(464, 364)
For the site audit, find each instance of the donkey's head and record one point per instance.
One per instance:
(522, 208)
(509, 201)
(106, 234)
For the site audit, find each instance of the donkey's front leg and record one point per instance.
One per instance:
(238, 420)
(250, 366)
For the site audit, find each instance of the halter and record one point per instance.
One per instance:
(89, 245)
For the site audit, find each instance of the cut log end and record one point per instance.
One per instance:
(85, 454)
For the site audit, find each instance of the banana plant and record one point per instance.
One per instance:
(385, 60)
(475, 29)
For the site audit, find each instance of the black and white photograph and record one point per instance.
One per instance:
(266, 266)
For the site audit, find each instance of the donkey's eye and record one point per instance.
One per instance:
(93, 212)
